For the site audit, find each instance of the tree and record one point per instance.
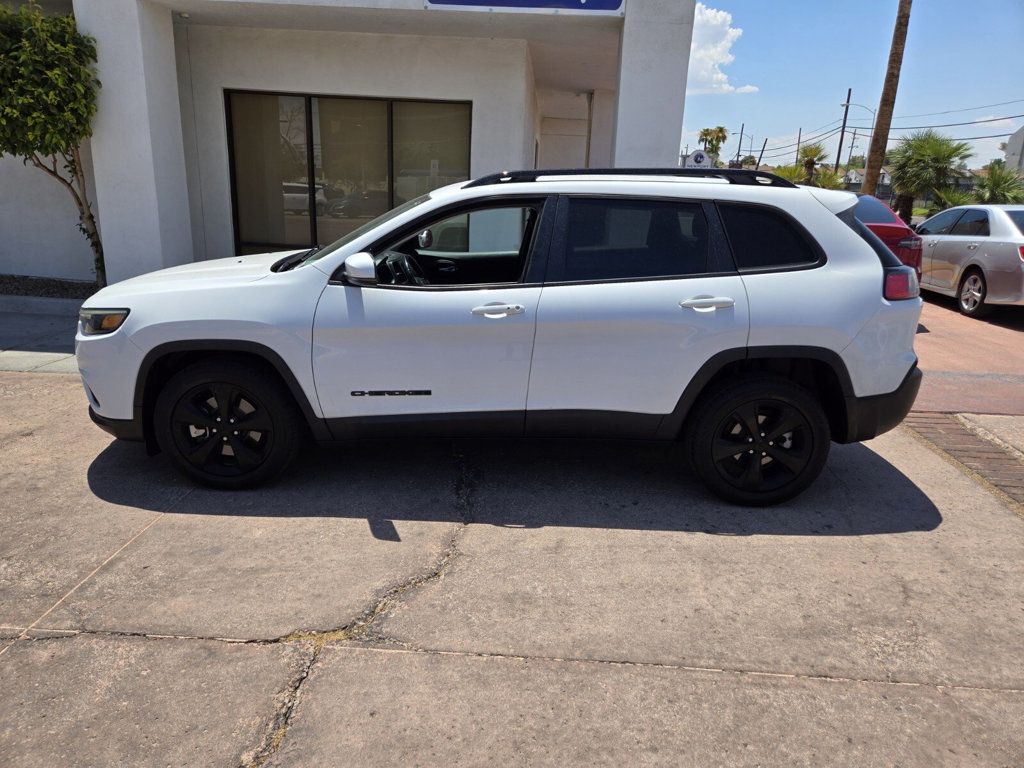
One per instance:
(922, 163)
(810, 156)
(713, 139)
(883, 121)
(47, 103)
(748, 160)
(856, 161)
(824, 178)
(999, 185)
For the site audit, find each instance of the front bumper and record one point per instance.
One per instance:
(868, 417)
(122, 429)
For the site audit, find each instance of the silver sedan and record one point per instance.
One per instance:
(975, 253)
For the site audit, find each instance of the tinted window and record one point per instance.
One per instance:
(871, 210)
(621, 239)
(974, 223)
(1017, 217)
(762, 238)
(941, 223)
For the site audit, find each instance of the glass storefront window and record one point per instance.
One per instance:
(365, 157)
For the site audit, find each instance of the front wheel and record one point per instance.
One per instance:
(229, 424)
(760, 440)
(971, 297)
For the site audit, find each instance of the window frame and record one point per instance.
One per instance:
(948, 231)
(800, 229)
(536, 258)
(310, 153)
(719, 259)
(988, 224)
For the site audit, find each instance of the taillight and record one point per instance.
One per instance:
(901, 283)
(1021, 249)
(913, 242)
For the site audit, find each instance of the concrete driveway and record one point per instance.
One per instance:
(481, 603)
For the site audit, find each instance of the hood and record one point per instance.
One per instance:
(234, 270)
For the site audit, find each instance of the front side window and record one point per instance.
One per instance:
(762, 238)
(941, 223)
(485, 246)
(974, 223)
(630, 239)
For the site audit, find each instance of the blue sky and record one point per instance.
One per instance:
(778, 65)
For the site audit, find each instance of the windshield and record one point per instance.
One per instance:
(369, 226)
(1017, 217)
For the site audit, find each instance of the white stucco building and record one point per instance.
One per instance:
(1014, 152)
(228, 126)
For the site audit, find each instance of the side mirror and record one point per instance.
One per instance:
(426, 238)
(360, 269)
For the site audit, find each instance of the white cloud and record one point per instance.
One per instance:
(713, 37)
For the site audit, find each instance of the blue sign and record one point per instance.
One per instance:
(571, 5)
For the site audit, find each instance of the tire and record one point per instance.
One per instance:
(971, 294)
(195, 406)
(744, 413)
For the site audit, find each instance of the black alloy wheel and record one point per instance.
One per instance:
(228, 424)
(222, 429)
(757, 440)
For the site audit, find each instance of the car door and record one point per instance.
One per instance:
(444, 359)
(932, 232)
(965, 242)
(639, 295)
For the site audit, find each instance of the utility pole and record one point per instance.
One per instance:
(765, 144)
(739, 147)
(842, 131)
(799, 134)
(853, 143)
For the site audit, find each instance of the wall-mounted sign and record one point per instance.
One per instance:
(585, 6)
(699, 159)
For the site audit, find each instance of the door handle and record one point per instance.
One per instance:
(972, 246)
(498, 310)
(445, 265)
(708, 303)
(931, 243)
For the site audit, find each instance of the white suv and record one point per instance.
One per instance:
(752, 319)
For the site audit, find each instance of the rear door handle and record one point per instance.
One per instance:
(498, 310)
(708, 303)
(972, 246)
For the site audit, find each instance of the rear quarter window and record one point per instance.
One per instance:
(871, 210)
(1017, 217)
(762, 237)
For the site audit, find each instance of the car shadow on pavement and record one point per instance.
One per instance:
(527, 483)
(1004, 316)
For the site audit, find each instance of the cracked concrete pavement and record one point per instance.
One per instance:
(473, 603)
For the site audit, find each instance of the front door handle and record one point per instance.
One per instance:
(498, 310)
(972, 246)
(708, 303)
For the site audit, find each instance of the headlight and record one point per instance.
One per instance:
(98, 321)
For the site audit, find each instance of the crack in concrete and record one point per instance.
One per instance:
(362, 628)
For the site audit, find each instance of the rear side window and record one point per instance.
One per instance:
(940, 223)
(762, 238)
(628, 239)
(1017, 217)
(974, 223)
(871, 210)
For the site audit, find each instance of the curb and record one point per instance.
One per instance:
(39, 305)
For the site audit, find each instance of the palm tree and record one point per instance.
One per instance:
(810, 156)
(1000, 185)
(922, 163)
(883, 120)
(949, 197)
(793, 173)
(713, 139)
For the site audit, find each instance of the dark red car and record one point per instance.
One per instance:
(891, 230)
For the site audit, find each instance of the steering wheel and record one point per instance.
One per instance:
(402, 269)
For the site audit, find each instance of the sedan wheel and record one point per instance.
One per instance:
(972, 295)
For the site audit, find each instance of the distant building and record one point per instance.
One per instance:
(1014, 153)
(855, 176)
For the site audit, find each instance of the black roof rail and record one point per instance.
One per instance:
(732, 175)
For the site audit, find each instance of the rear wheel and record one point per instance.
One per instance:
(227, 425)
(760, 440)
(972, 293)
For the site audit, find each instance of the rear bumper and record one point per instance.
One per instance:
(122, 429)
(868, 417)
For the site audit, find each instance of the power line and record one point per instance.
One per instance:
(944, 125)
(964, 109)
(806, 140)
